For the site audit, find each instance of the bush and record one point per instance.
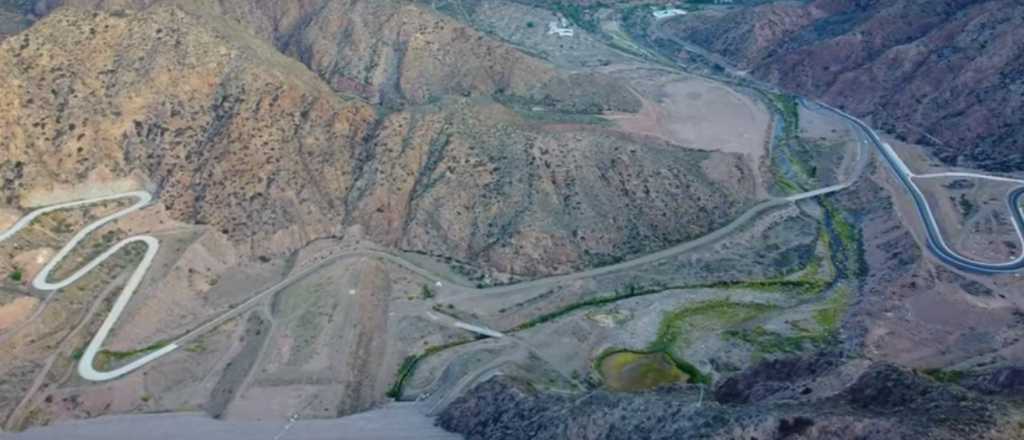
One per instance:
(16, 276)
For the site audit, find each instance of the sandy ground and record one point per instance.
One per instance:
(821, 125)
(31, 262)
(696, 113)
(700, 114)
(936, 328)
(394, 422)
(916, 157)
(328, 346)
(99, 183)
(8, 217)
(926, 318)
(17, 310)
(988, 233)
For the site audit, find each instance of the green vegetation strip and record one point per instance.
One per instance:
(808, 283)
(410, 362)
(846, 249)
(944, 376)
(724, 311)
(825, 329)
(802, 287)
(105, 357)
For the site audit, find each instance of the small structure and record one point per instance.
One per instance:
(560, 27)
(666, 13)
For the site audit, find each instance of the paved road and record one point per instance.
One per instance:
(42, 282)
(85, 365)
(87, 371)
(936, 243)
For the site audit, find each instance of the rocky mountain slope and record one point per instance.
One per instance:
(456, 160)
(393, 52)
(948, 74)
(810, 398)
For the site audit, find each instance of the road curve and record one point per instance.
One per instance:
(936, 243)
(85, 365)
(42, 279)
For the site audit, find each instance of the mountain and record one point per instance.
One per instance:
(947, 74)
(426, 134)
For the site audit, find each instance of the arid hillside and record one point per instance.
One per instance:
(946, 74)
(491, 161)
(393, 52)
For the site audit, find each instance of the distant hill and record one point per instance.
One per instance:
(949, 74)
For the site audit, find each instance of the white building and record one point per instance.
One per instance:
(666, 13)
(561, 28)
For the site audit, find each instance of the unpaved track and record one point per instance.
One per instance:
(85, 365)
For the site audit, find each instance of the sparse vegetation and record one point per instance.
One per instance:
(967, 208)
(198, 346)
(106, 357)
(630, 291)
(804, 286)
(693, 375)
(722, 312)
(632, 371)
(944, 376)
(557, 117)
(829, 317)
(404, 370)
(846, 250)
(577, 14)
(824, 331)
(408, 366)
(765, 341)
(16, 275)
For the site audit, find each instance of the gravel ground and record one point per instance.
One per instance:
(393, 422)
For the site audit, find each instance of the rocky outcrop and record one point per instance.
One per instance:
(945, 74)
(766, 380)
(885, 402)
(1006, 381)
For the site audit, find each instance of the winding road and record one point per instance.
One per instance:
(936, 243)
(87, 370)
(86, 367)
(42, 279)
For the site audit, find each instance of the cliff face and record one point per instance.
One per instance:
(418, 129)
(948, 74)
